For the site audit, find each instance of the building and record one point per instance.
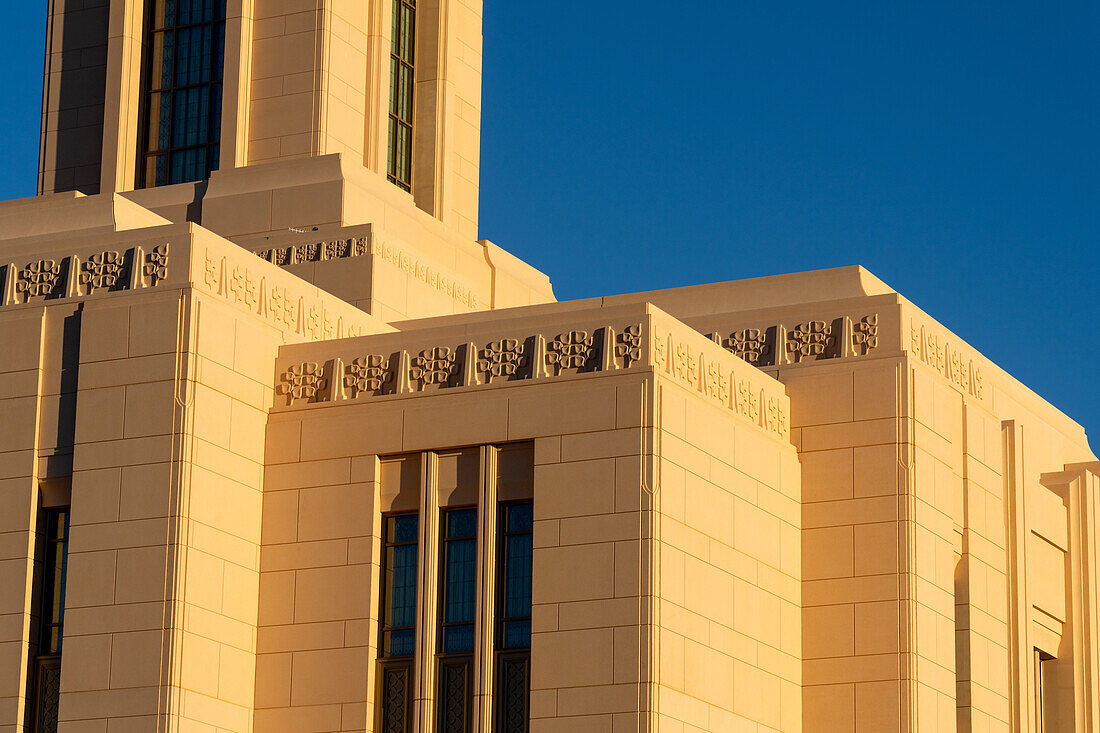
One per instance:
(285, 449)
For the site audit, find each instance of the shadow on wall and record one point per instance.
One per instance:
(73, 145)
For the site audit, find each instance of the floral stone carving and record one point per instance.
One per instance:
(102, 270)
(302, 382)
(502, 359)
(366, 374)
(570, 350)
(434, 366)
(38, 279)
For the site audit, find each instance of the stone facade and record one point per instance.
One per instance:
(793, 503)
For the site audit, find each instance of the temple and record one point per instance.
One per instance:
(285, 448)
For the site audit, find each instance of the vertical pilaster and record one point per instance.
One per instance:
(427, 595)
(237, 84)
(21, 373)
(376, 144)
(1084, 589)
(486, 600)
(123, 98)
(1019, 651)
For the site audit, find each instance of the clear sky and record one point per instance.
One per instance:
(953, 148)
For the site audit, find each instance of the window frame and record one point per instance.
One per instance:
(462, 659)
(504, 657)
(45, 664)
(399, 60)
(384, 596)
(151, 86)
(405, 665)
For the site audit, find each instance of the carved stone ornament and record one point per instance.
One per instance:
(630, 345)
(39, 279)
(570, 350)
(302, 382)
(102, 271)
(156, 264)
(750, 344)
(434, 366)
(367, 374)
(747, 401)
(809, 340)
(865, 334)
(368, 246)
(502, 359)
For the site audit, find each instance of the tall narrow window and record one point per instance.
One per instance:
(183, 104)
(458, 577)
(513, 636)
(1042, 664)
(47, 663)
(398, 622)
(402, 86)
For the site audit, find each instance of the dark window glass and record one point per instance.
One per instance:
(458, 596)
(46, 675)
(399, 586)
(402, 90)
(400, 533)
(183, 105)
(512, 693)
(459, 580)
(53, 576)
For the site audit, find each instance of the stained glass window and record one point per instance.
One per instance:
(402, 90)
(183, 105)
(399, 586)
(517, 521)
(458, 594)
(398, 621)
(513, 686)
(459, 580)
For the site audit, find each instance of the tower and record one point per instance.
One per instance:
(286, 123)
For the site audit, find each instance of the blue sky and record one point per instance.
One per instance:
(952, 148)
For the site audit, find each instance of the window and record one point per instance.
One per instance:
(513, 635)
(183, 104)
(402, 89)
(458, 594)
(1042, 664)
(46, 676)
(398, 621)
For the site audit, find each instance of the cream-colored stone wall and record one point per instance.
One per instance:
(21, 368)
(73, 98)
(139, 375)
(822, 515)
(730, 558)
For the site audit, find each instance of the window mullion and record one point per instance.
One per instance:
(427, 597)
(485, 638)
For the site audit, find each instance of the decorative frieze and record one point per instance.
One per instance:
(630, 345)
(782, 344)
(502, 359)
(467, 365)
(302, 382)
(364, 246)
(434, 366)
(739, 391)
(76, 276)
(715, 376)
(570, 351)
(250, 288)
(39, 279)
(367, 375)
(102, 271)
(958, 366)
